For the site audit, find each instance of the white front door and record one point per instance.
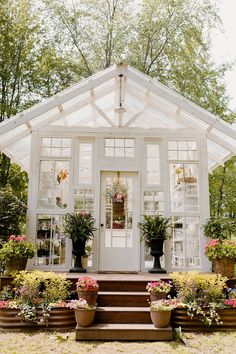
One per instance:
(119, 241)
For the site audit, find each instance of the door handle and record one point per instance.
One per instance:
(102, 225)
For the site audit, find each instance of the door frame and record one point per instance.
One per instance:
(136, 205)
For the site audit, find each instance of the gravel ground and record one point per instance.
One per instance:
(64, 343)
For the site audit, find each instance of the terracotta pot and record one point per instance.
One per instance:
(15, 265)
(160, 319)
(180, 318)
(154, 296)
(84, 318)
(224, 266)
(90, 296)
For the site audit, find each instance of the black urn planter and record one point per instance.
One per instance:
(78, 251)
(156, 245)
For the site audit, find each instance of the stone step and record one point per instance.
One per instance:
(128, 331)
(122, 315)
(123, 298)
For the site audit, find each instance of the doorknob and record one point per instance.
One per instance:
(101, 225)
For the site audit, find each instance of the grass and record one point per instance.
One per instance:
(64, 343)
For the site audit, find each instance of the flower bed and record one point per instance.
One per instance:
(59, 318)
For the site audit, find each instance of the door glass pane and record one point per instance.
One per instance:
(51, 241)
(119, 212)
(184, 187)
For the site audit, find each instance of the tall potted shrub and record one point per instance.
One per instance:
(79, 227)
(154, 231)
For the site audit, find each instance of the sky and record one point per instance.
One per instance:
(224, 45)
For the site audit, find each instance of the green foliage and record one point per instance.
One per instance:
(17, 249)
(221, 249)
(219, 227)
(222, 192)
(12, 213)
(162, 305)
(37, 287)
(152, 227)
(79, 226)
(202, 294)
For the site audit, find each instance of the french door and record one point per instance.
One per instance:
(119, 241)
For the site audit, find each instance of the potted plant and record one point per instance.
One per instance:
(15, 253)
(87, 288)
(84, 313)
(160, 311)
(203, 297)
(154, 231)
(79, 227)
(158, 289)
(222, 254)
(37, 299)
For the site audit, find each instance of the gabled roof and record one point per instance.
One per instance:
(90, 105)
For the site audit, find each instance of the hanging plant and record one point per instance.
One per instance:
(118, 191)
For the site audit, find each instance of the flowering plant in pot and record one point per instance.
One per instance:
(79, 227)
(160, 311)
(84, 313)
(87, 288)
(155, 229)
(15, 253)
(158, 289)
(222, 254)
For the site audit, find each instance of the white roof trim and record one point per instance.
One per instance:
(148, 93)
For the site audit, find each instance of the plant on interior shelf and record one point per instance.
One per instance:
(84, 313)
(154, 231)
(203, 295)
(158, 289)
(15, 253)
(87, 288)
(160, 312)
(79, 227)
(36, 294)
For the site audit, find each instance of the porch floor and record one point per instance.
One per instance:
(120, 276)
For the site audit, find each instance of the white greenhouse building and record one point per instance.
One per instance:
(120, 145)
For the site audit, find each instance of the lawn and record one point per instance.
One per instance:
(64, 343)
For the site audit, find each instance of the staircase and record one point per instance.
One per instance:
(123, 314)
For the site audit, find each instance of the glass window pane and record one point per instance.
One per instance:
(119, 147)
(182, 150)
(85, 163)
(56, 147)
(51, 241)
(184, 187)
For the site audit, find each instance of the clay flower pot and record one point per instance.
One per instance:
(160, 319)
(84, 317)
(89, 295)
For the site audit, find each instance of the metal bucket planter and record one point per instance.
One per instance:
(180, 318)
(60, 318)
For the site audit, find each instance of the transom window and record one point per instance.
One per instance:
(56, 147)
(182, 150)
(119, 147)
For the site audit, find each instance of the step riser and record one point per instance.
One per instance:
(123, 300)
(122, 317)
(116, 285)
(119, 334)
